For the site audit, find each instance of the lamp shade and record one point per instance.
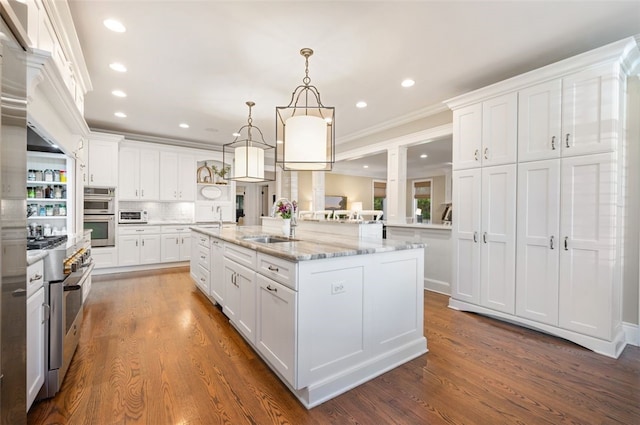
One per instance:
(356, 206)
(305, 142)
(249, 163)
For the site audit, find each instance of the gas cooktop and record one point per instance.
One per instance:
(45, 242)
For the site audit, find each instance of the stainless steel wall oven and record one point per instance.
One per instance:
(99, 215)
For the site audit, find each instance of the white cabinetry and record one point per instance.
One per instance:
(138, 173)
(177, 176)
(200, 260)
(571, 197)
(138, 245)
(217, 276)
(484, 236)
(102, 161)
(176, 243)
(240, 289)
(35, 331)
(485, 133)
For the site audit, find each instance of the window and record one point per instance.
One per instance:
(379, 195)
(422, 200)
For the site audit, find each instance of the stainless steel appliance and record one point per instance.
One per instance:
(99, 215)
(13, 221)
(103, 229)
(99, 200)
(66, 270)
(133, 216)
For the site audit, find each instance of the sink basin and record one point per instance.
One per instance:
(268, 239)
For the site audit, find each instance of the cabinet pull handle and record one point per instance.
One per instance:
(484, 237)
(143, 242)
(551, 242)
(203, 257)
(566, 243)
(136, 193)
(142, 193)
(567, 141)
(35, 277)
(553, 143)
(273, 269)
(475, 154)
(139, 230)
(177, 242)
(136, 243)
(47, 312)
(486, 153)
(475, 237)
(272, 289)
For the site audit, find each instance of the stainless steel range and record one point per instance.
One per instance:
(66, 269)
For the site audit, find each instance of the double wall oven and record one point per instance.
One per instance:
(99, 215)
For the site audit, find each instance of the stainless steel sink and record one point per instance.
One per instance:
(268, 239)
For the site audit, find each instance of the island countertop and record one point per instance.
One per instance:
(307, 245)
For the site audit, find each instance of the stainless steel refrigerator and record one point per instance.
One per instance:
(13, 222)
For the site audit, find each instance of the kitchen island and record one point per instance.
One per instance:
(326, 313)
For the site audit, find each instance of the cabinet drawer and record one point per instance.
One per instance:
(202, 239)
(203, 257)
(202, 279)
(175, 229)
(138, 230)
(35, 278)
(280, 270)
(240, 255)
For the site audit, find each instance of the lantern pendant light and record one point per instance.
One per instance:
(305, 129)
(249, 155)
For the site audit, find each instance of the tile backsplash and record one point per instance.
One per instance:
(162, 211)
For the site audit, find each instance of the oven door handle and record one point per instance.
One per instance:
(68, 288)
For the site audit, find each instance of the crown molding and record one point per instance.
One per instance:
(137, 137)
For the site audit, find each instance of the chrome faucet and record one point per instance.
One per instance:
(294, 213)
(219, 212)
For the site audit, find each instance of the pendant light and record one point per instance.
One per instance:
(248, 155)
(305, 136)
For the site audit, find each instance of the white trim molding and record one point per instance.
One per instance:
(631, 333)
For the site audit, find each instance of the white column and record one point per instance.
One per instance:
(317, 188)
(396, 185)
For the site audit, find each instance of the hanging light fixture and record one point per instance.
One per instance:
(248, 155)
(305, 136)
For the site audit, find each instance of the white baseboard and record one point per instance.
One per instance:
(631, 333)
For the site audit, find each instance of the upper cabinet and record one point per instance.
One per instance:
(177, 177)
(139, 170)
(485, 133)
(101, 167)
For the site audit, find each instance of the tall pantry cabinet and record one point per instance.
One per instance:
(538, 197)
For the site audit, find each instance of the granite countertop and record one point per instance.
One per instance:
(420, 226)
(307, 245)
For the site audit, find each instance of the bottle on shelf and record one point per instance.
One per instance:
(48, 175)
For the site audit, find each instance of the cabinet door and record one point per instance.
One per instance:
(498, 256)
(150, 249)
(500, 130)
(588, 252)
(204, 211)
(103, 163)
(170, 250)
(186, 177)
(149, 173)
(128, 250)
(246, 278)
(169, 176)
(193, 261)
(465, 235)
(231, 305)
(467, 136)
(539, 121)
(128, 174)
(217, 272)
(35, 345)
(590, 111)
(538, 242)
(185, 246)
(276, 326)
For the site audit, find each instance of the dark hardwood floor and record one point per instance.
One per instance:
(154, 351)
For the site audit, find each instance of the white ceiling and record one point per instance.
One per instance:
(198, 62)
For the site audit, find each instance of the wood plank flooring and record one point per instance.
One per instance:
(155, 351)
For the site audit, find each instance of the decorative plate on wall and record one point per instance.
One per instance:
(211, 192)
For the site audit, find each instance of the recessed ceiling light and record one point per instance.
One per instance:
(114, 25)
(119, 93)
(184, 125)
(424, 155)
(408, 82)
(120, 115)
(361, 104)
(365, 166)
(118, 67)
(236, 134)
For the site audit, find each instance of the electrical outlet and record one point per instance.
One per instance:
(337, 288)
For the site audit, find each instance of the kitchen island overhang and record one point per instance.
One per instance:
(326, 313)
